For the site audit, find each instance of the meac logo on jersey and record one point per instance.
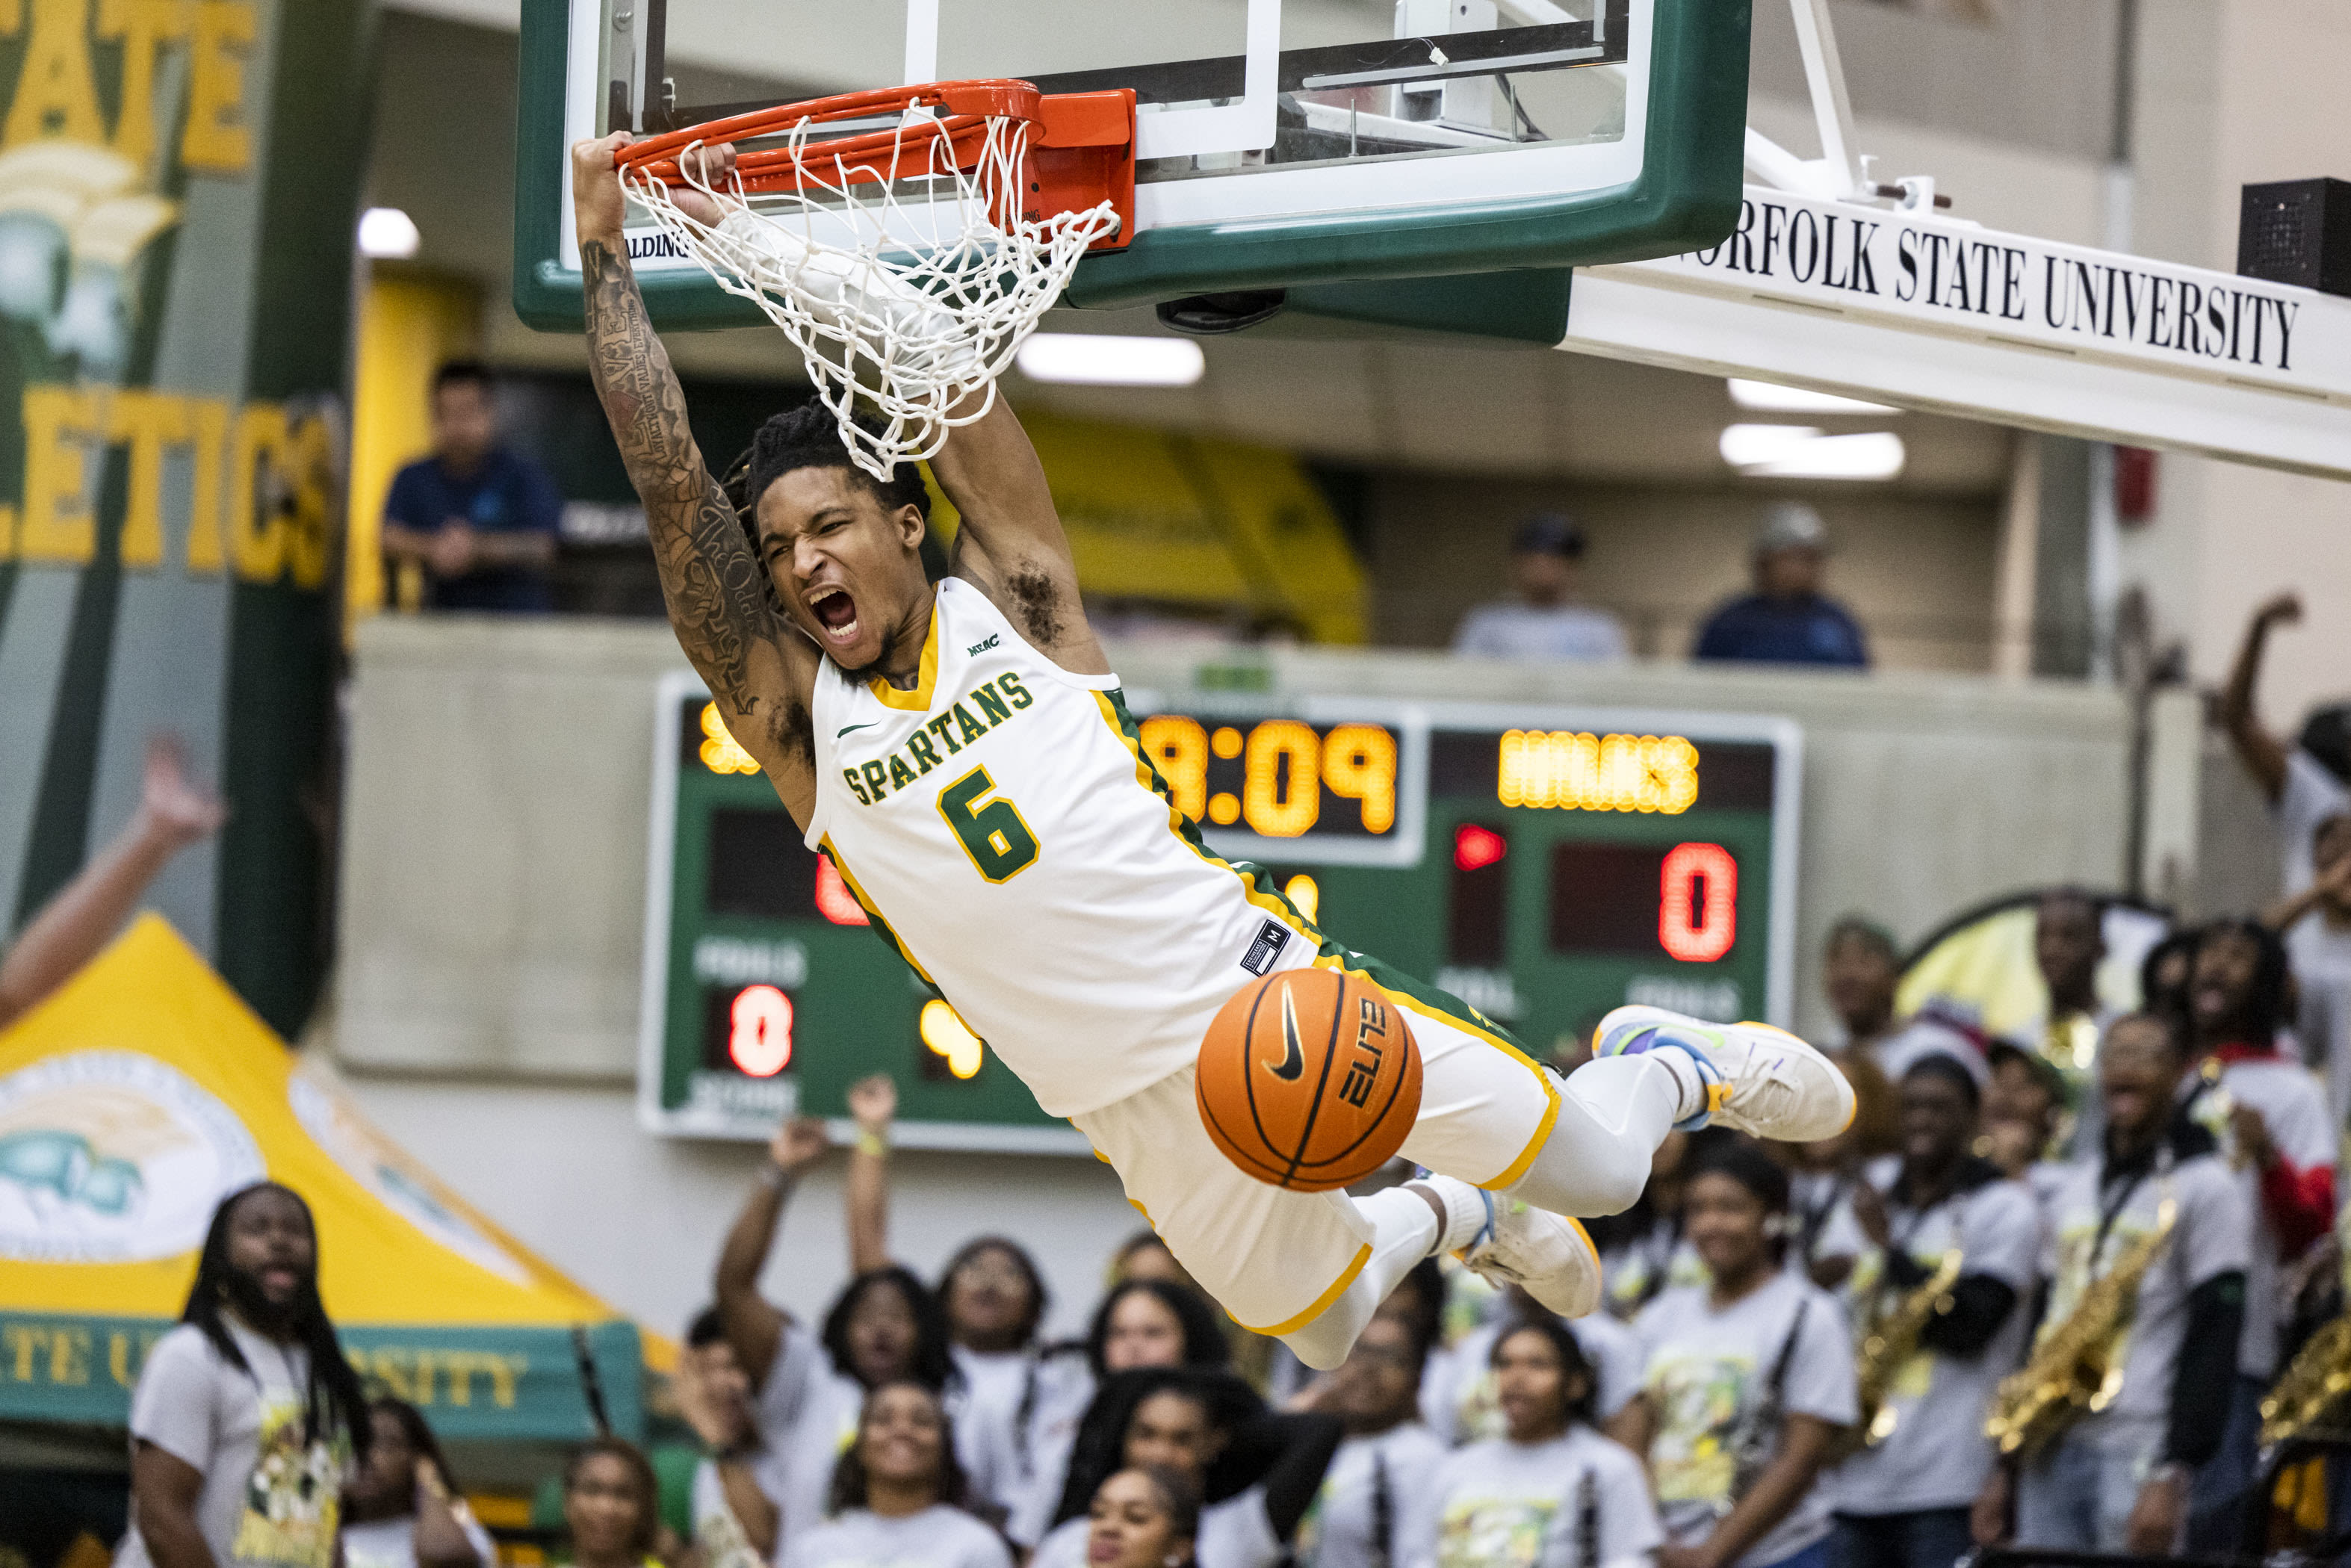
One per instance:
(992, 702)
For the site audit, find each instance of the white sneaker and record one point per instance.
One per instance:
(1760, 1080)
(1517, 1244)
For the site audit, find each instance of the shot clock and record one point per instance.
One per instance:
(1545, 864)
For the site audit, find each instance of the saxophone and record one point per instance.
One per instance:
(2073, 1370)
(2312, 1386)
(1888, 1339)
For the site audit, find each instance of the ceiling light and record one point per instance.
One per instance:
(1770, 397)
(387, 234)
(1801, 452)
(1098, 360)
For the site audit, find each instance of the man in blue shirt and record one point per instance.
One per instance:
(1787, 620)
(479, 519)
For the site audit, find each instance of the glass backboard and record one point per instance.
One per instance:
(1277, 141)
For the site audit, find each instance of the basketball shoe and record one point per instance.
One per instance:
(1513, 1243)
(1759, 1080)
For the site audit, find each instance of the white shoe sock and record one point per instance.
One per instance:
(1464, 1211)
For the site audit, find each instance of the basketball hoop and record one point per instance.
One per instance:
(906, 262)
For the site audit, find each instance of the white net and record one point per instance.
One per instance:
(908, 294)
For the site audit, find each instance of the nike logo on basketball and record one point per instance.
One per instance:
(1293, 1061)
(845, 728)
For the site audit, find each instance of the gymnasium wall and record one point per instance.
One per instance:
(177, 190)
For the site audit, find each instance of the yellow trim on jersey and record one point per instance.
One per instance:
(1281, 910)
(1321, 1303)
(875, 914)
(919, 699)
(1277, 907)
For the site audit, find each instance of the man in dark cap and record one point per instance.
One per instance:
(1546, 620)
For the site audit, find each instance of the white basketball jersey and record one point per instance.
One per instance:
(1002, 822)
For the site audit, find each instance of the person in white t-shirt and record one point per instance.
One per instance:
(400, 1509)
(1022, 1396)
(1462, 1397)
(1551, 1492)
(2268, 1115)
(1749, 1379)
(733, 1520)
(2316, 925)
(1144, 1518)
(1543, 622)
(1377, 1488)
(246, 1419)
(2117, 1479)
(896, 1495)
(809, 1386)
(1258, 1471)
(2303, 791)
(1904, 1498)
(1145, 1320)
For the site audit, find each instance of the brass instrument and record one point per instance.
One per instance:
(2312, 1387)
(2073, 1370)
(1889, 1338)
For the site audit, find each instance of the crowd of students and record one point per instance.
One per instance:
(1803, 1353)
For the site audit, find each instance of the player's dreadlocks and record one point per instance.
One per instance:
(332, 1388)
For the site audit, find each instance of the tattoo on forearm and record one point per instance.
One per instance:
(715, 586)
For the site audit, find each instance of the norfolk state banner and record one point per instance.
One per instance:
(178, 182)
(145, 1092)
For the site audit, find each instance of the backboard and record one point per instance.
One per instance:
(1278, 143)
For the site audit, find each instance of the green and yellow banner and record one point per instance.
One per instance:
(145, 1092)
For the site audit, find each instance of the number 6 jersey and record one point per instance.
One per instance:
(1000, 823)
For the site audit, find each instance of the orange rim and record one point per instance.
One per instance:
(970, 108)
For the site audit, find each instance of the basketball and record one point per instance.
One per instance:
(1309, 1080)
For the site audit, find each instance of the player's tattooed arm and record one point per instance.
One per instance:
(760, 668)
(1011, 545)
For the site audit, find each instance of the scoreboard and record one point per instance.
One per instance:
(1543, 863)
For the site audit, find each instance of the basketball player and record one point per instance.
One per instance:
(962, 754)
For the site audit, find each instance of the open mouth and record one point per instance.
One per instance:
(836, 614)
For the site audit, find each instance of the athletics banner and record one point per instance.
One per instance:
(178, 186)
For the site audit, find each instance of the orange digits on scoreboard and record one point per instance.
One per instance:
(1359, 763)
(1698, 903)
(1277, 808)
(1178, 748)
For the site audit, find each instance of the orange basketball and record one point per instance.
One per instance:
(1309, 1080)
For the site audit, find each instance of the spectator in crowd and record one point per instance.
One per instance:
(400, 1508)
(1903, 1500)
(2164, 974)
(247, 1420)
(1861, 968)
(897, 1494)
(734, 1521)
(611, 1506)
(2068, 945)
(1465, 1395)
(994, 1297)
(1545, 621)
(1787, 620)
(885, 1326)
(2023, 1104)
(2117, 1479)
(1749, 1377)
(1378, 1485)
(70, 929)
(478, 519)
(1258, 1472)
(1142, 1256)
(1144, 1518)
(1551, 1492)
(1154, 1323)
(2316, 925)
(2306, 783)
(2268, 1113)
